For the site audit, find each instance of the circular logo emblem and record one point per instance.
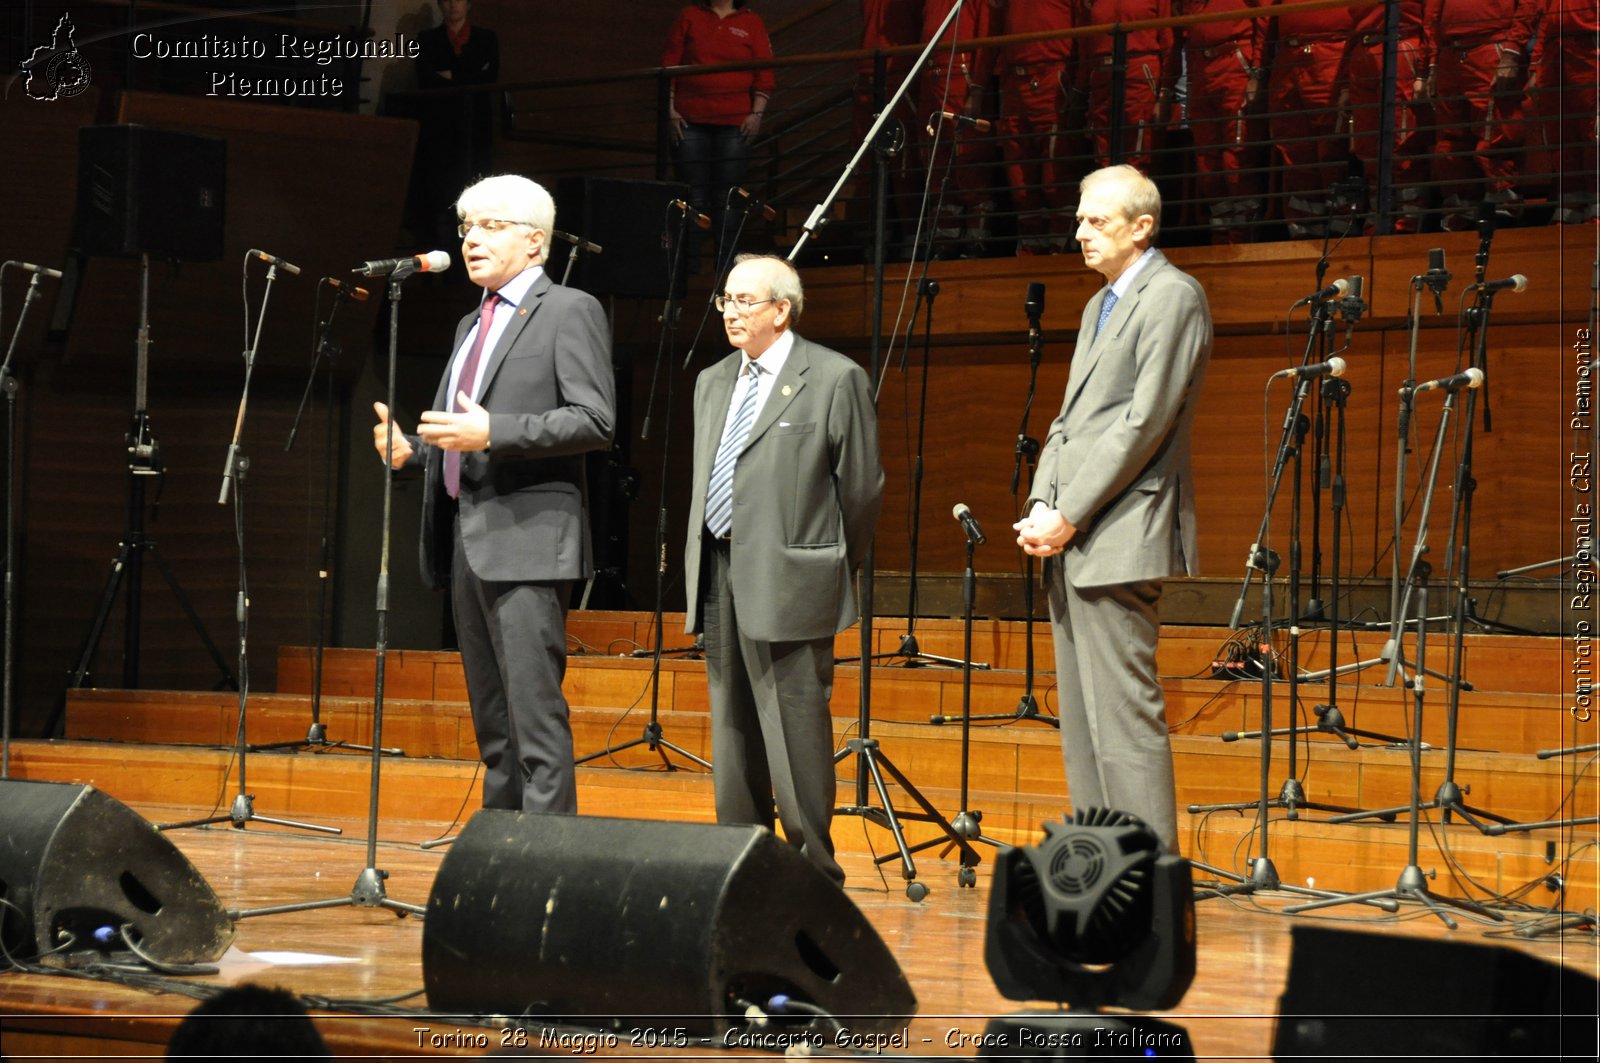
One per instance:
(69, 74)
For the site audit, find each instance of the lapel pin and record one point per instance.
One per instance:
(787, 390)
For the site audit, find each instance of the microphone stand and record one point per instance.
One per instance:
(9, 383)
(144, 459)
(927, 289)
(1412, 883)
(1291, 796)
(1335, 393)
(1263, 874)
(652, 737)
(1449, 795)
(968, 822)
(579, 245)
(369, 891)
(326, 350)
(243, 812)
(871, 762)
(1027, 449)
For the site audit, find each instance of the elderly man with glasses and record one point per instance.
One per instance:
(787, 487)
(505, 525)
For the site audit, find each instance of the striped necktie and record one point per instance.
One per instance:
(1108, 304)
(464, 382)
(719, 495)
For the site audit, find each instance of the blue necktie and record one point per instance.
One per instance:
(1108, 304)
(719, 495)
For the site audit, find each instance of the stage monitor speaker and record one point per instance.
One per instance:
(635, 228)
(643, 925)
(77, 867)
(1353, 995)
(150, 191)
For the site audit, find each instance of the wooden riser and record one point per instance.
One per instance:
(1513, 723)
(1493, 662)
(1018, 757)
(414, 795)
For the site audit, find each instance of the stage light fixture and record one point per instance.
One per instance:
(1096, 915)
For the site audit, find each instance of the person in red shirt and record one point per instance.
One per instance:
(1035, 79)
(715, 116)
(1478, 47)
(1148, 79)
(1225, 66)
(1561, 96)
(1413, 119)
(953, 82)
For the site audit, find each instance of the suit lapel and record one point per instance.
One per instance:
(523, 315)
(719, 394)
(784, 390)
(1120, 315)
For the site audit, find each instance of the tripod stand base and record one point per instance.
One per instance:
(1027, 709)
(872, 764)
(317, 738)
(1411, 886)
(1263, 878)
(968, 825)
(242, 813)
(368, 892)
(658, 745)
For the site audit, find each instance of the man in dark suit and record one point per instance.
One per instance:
(787, 486)
(527, 393)
(1112, 504)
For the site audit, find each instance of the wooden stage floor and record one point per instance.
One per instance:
(349, 959)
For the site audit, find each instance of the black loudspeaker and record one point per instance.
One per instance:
(78, 869)
(150, 191)
(640, 925)
(635, 227)
(1354, 995)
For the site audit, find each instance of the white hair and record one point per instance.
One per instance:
(510, 197)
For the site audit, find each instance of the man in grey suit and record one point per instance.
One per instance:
(1112, 505)
(505, 522)
(787, 487)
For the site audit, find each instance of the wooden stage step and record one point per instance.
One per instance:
(308, 787)
(1015, 767)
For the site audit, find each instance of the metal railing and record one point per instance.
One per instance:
(1360, 180)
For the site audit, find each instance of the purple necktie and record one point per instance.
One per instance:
(469, 373)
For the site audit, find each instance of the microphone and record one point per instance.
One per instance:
(700, 220)
(752, 203)
(350, 290)
(576, 241)
(1516, 282)
(1352, 306)
(428, 262)
(969, 523)
(982, 125)
(276, 261)
(42, 271)
(1332, 367)
(1471, 378)
(1332, 291)
(1034, 305)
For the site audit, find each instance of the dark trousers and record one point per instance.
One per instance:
(712, 159)
(771, 734)
(513, 639)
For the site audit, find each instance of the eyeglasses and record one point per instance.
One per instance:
(742, 305)
(489, 226)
